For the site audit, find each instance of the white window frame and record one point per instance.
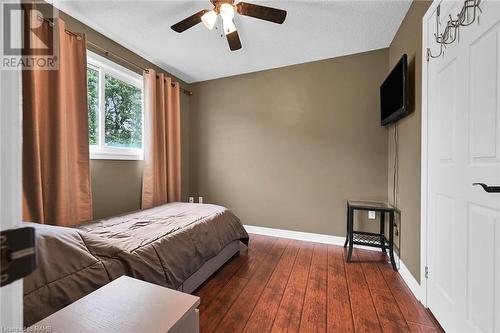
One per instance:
(105, 66)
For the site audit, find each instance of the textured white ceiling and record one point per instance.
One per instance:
(313, 30)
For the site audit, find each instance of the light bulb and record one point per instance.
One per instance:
(209, 19)
(229, 26)
(227, 12)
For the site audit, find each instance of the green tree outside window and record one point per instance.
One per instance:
(123, 114)
(122, 111)
(93, 105)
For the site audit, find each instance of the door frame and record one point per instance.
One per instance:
(11, 300)
(424, 168)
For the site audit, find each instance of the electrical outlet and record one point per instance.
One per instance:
(371, 215)
(200, 200)
(397, 232)
(191, 199)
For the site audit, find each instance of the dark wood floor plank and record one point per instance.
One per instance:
(263, 315)
(256, 254)
(339, 317)
(278, 247)
(261, 243)
(290, 309)
(390, 316)
(210, 317)
(314, 313)
(243, 265)
(413, 311)
(281, 285)
(388, 312)
(373, 275)
(417, 328)
(211, 288)
(240, 311)
(363, 311)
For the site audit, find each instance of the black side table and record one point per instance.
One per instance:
(369, 238)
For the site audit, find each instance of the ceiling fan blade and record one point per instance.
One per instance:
(189, 22)
(262, 12)
(234, 41)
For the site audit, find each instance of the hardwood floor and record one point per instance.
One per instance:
(283, 285)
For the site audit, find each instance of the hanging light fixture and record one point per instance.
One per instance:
(209, 19)
(227, 13)
(229, 27)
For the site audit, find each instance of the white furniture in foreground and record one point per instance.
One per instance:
(127, 305)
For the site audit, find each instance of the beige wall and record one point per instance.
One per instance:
(116, 185)
(285, 148)
(409, 40)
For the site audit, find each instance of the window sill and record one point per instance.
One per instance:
(120, 157)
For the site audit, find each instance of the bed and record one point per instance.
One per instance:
(177, 245)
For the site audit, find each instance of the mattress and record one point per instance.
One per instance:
(164, 245)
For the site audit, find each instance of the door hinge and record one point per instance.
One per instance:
(426, 272)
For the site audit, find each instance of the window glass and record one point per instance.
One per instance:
(123, 114)
(93, 105)
(114, 110)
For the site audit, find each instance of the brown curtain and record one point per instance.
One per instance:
(56, 179)
(161, 180)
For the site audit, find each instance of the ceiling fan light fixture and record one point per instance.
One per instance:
(227, 12)
(209, 19)
(229, 26)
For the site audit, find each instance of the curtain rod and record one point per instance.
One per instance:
(109, 53)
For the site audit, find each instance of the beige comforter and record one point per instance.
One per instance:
(163, 245)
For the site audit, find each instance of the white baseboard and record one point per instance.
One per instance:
(298, 235)
(410, 281)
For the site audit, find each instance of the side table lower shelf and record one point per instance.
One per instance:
(378, 240)
(370, 239)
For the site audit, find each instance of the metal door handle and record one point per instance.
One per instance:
(17, 254)
(489, 189)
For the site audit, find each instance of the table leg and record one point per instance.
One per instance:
(391, 241)
(382, 230)
(351, 235)
(347, 232)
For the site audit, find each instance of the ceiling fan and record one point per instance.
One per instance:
(226, 9)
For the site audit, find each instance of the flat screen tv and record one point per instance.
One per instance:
(394, 93)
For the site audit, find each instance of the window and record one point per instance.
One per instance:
(115, 111)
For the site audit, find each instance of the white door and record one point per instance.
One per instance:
(11, 296)
(463, 103)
